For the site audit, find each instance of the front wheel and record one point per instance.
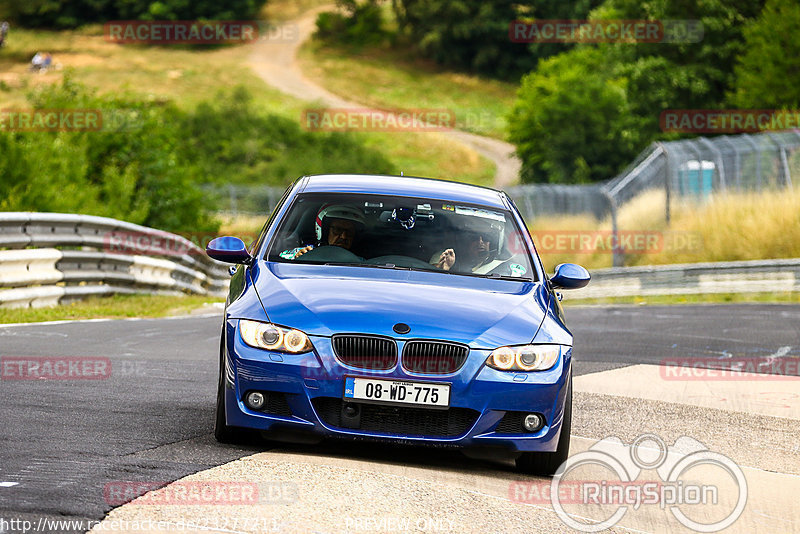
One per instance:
(222, 432)
(547, 463)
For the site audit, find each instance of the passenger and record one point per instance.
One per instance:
(478, 253)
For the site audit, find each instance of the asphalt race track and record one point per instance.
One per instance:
(150, 419)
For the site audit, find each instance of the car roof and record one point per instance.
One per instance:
(404, 186)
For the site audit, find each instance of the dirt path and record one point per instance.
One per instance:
(275, 61)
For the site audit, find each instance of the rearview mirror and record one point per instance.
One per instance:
(228, 249)
(405, 216)
(570, 276)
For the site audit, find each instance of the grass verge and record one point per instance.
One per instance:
(726, 227)
(113, 307)
(189, 76)
(786, 297)
(393, 79)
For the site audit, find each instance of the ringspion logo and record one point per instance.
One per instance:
(703, 490)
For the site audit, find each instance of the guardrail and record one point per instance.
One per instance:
(694, 278)
(52, 258)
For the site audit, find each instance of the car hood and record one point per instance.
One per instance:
(326, 300)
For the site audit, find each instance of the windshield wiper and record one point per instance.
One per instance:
(373, 265)
(495, 276)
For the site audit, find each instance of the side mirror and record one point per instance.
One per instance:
(570, 276)
(228, 249)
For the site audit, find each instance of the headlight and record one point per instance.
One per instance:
(272, 337)
(524, 358)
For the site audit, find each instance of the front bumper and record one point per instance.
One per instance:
(309, 388)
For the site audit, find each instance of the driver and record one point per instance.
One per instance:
(335, 225)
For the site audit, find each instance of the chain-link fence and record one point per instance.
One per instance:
(256, 200)
(690, 168)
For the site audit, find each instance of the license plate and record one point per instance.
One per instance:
(397, 392)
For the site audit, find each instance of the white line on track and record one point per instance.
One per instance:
(8, 484)
(52, 323)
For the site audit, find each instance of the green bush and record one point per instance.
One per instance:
(148, 168)
(232, 142)
(572, 121)
(133, 172)
(473, 35)
(772, 54)
(356, 24)
(584, 114)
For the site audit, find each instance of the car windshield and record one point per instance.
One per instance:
(379, 231)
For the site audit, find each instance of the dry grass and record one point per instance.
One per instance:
(704, 298)
(188, 76)
(727, 227)
(389, 79)
(283, 10)
(243, 226)
(113, 307)
(184, 75)
(546, 229)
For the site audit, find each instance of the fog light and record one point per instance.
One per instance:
(255, 400)
(533, 422)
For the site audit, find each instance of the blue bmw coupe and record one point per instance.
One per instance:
(397, 309)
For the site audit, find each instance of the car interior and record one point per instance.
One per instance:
(402, 233)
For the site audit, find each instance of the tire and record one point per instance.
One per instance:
(547, 463)
(222, 432)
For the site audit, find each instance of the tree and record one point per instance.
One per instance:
(616, 92)
(767, 72)
(354, 24)
(572, 122)
(473, 35)
(74, 13)
(470, 35)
